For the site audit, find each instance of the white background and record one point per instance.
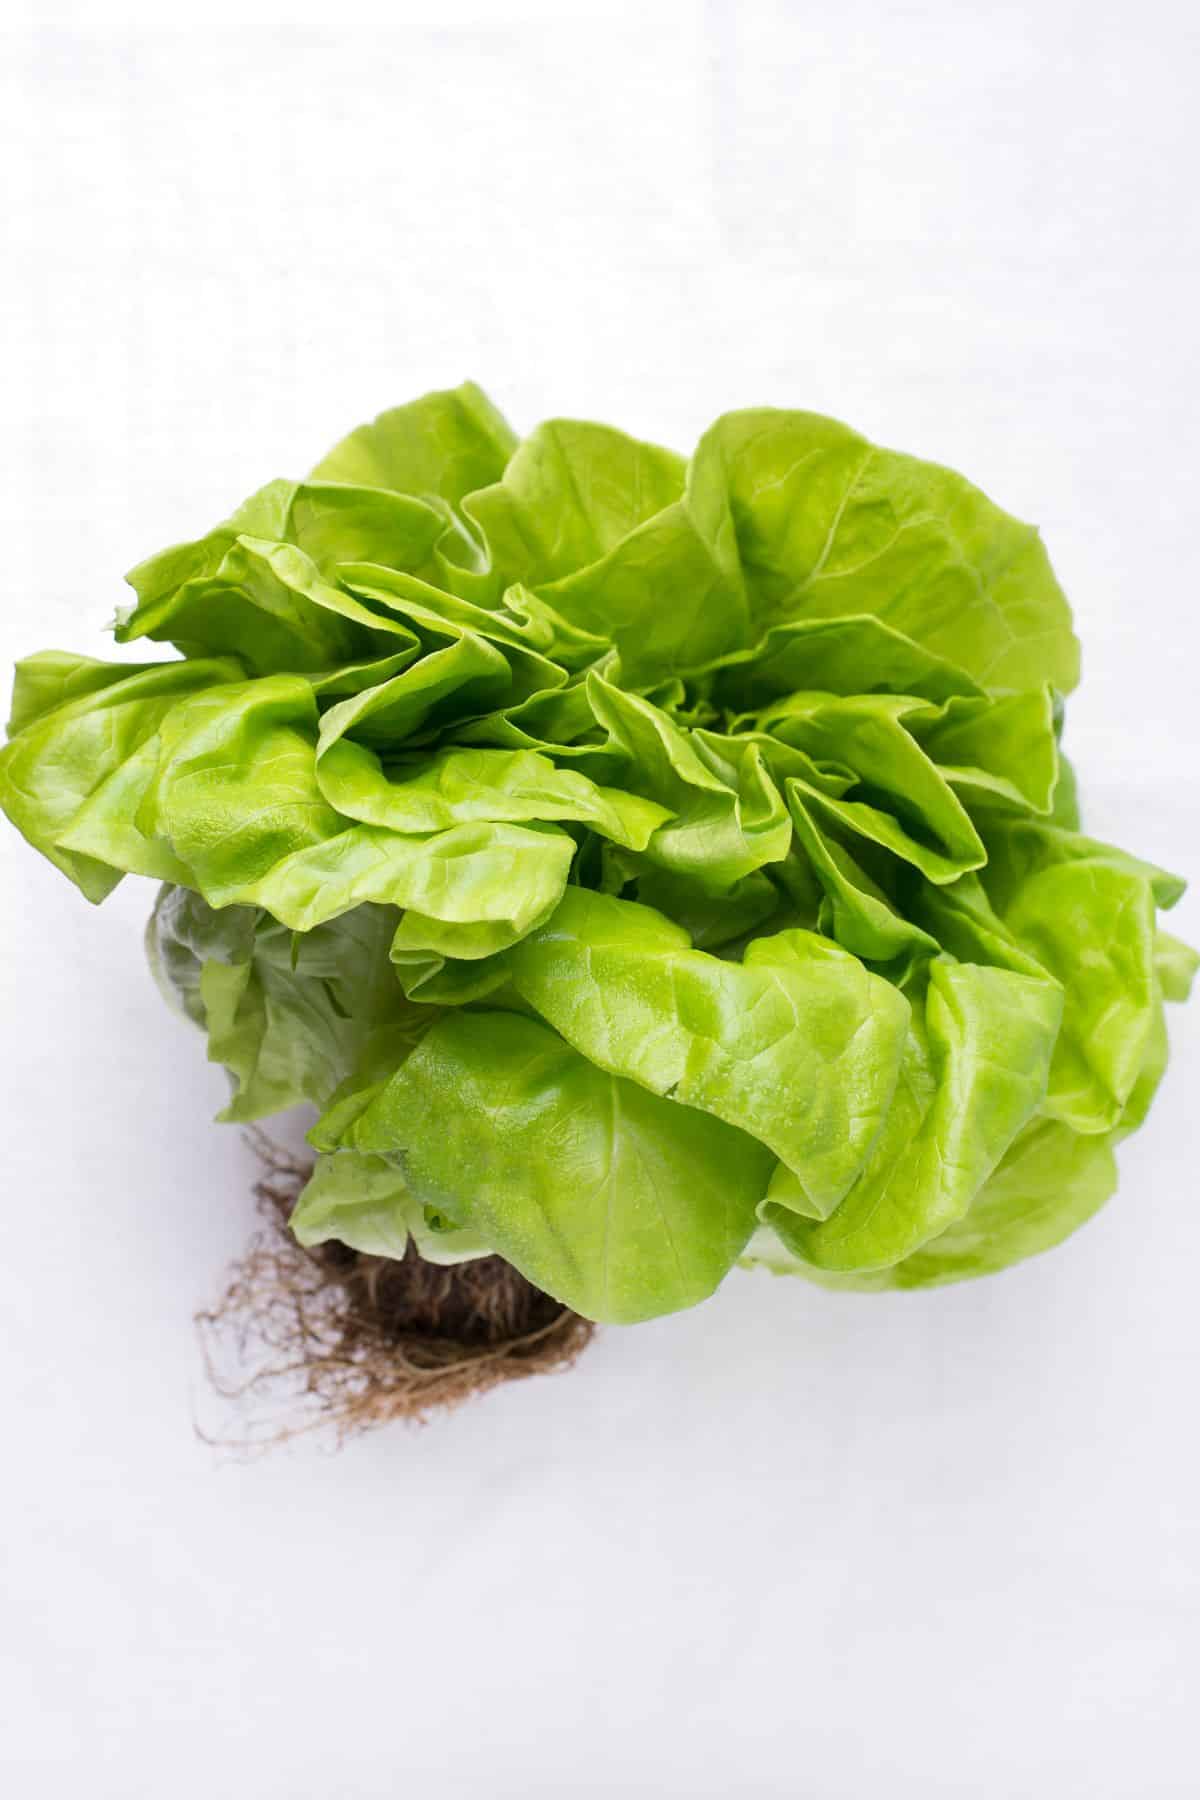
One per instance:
(788, 1544)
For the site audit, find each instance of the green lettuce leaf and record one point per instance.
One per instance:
(74, 777)
(238, 799)
(619, 1203)
(798, 1045)
(1049, 1182)
(827, 524)
(289, 1017)
(789, 515)
(571, 493)
(974, 1071)
(1086, 912)
(446, 444)
(362, 1201)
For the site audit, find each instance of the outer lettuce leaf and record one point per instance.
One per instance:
(73, 779)
(1177, 964)
(52, 678)
(445, 444)
(248, 754)
(974, 1072)
(267, 595)
(572, 493)
(290, 1018)
(269, 606)
(798, 1045)
(828, 525)
(789, 515)
(1049, 1183)
(362, 1201)
(1086, 912)
(620, 1203)
(183, 933)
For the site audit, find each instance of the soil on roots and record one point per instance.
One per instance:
(331, 1337)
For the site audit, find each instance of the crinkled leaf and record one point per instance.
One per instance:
(1049, 1183)
(974, 1071)
(995, 751)
(362, 1201)
(620, 1203)
(860, 915)
(289, 1018)
(1086, 913)
(858, 654)
(727, 817)
(829, 525)
(1176, 963)
(798, 1045)
(74, 778)
(238, 799)
(461, 786)
(446, 443)
(571, 493)
(902, 800)
(268, 604)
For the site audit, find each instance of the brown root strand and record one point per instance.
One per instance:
(334, 1338)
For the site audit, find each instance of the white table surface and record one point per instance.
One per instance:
(788, 1544)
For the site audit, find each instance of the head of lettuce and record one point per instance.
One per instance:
(643, 865)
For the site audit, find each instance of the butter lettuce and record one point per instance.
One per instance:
(641, 864)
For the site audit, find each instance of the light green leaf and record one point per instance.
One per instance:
(447, 443)
(996, 751)
(920, 818)
(687, 550)
(855, 655)
(798, 1045)
(619, 1203)
(1176, 963)
(975, 1070)
(961, 918)
(53, 678)
(1049, 1183)
(571, 493)
(289, 1018)
(461, 786)
(712, 921)
(72, 779)
(362, 1201)
(267, 604)
(1086, 913)
(238, 799)
(861, 916)
(268, 594)
(828, 525)
(727, 816)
